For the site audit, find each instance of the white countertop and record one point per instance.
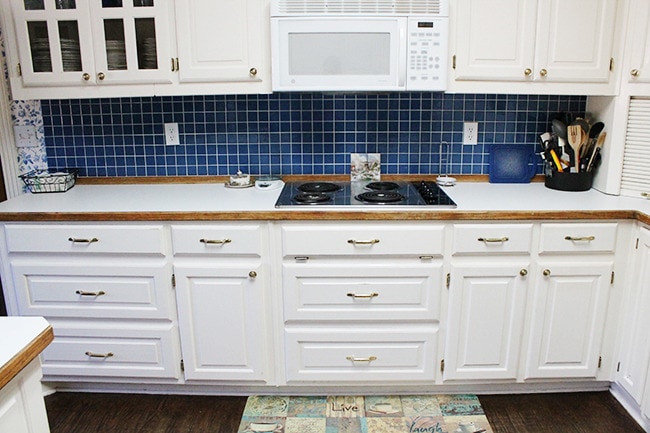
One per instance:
(17, 333)
(214, 197)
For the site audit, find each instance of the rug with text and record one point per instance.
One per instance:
(365, 414)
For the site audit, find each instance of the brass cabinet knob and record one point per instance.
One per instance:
(546, 272)
(528, 72)
(252, 274)
(86, 76)
(543, 72)
(253, 72)
(101, 76)
(523, 272)
(635, 73)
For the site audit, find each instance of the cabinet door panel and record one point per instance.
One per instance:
(639, 42)
(486, 314)
(496, 39)
(574, 40)
(220, 40)
(222, 322)
(568, 319)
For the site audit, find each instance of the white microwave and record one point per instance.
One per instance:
(338, 45)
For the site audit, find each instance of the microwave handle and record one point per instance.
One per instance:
(402, 55)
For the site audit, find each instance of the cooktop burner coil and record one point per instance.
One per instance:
(380, 197)
(311, 198)
(319, 187)
(382, 186)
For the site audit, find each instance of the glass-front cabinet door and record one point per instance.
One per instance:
(90, 42)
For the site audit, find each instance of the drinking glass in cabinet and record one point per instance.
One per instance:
(145, 34)
(34, 5)
(39, 44)
(115, 44)
(66, 4)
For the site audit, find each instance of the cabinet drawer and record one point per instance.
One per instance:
(220, 239)
(336, 355)
(92, 351)
(569, 238)
(363, 239)
(106, 290)
(387, 292)
(492, 238)
(86, 239)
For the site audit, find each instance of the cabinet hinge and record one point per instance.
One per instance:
(611, 281)
(175, 66)
(618, 366)
(600, 361)
(448, 282)
(611, 64)
(173, 281)
(453, 62)
(637, 244)
(20, 70)
(442, 365)
(182, 365)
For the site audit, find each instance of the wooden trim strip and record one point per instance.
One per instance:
(25, 356)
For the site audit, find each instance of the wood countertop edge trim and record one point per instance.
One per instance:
(25, 356)
(440, 215)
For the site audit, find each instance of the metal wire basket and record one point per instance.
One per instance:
(39, 181)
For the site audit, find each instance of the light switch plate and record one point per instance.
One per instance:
(25, 136)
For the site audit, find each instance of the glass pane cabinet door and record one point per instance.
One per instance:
(132, 40)
(54, 42)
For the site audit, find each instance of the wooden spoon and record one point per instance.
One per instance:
(574, 135)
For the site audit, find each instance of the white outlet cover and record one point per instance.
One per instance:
(26, 136)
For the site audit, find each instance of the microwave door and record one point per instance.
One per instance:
(340, 54)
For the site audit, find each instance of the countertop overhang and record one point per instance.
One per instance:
(213, 201)
(23, 339)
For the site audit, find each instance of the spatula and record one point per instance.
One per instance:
(574, 136)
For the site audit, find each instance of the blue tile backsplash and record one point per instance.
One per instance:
(290, 133)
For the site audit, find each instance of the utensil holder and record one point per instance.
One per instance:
(569, 181)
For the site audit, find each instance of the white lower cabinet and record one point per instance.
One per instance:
(222, 293)
(486, 319)
(22, 408)
(568, 319)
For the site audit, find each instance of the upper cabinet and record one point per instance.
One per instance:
(108, 48)
(637, 71)
(543, 46)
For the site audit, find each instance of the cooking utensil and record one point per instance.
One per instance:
(574, 136)
(599, 145)
(594, 132)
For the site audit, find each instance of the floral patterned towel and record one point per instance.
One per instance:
(368, 414)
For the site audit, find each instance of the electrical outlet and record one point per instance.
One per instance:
(26, 136)
(171, 134)
(470, 133)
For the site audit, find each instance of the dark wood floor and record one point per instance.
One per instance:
(126, 413)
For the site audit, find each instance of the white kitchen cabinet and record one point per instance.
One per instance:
(106, 289)
(487, 303)
(222, 283)
(222, 43)
(570, 302)
(86, 49)
(549, 42)
(22, 408)
(635, 353)
(638, 54)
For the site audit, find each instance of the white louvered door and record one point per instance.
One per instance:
(635, 177)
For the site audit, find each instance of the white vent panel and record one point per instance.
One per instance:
(359, 7)
(635, 178)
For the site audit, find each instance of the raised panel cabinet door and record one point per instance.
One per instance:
(638, 70)
(131, 41)
(575, 40)
(222, 321)
(569, 308)
(495, 39)
(487, 303)
(22, 408)
(54, 41)
(635, 356)
(222, 40)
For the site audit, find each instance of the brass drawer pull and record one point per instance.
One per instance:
(355, 359)
(494, 240)
(215, 241)
(645, 194)
(580, 238)
(95, 294)
(83, 240)
(369, 242)
(99, 355)
(363, 296)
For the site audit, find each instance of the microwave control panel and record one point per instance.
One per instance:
(426, 65)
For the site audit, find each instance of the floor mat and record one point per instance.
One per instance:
(365, 414)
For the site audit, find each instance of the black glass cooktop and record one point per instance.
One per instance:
(363, 193)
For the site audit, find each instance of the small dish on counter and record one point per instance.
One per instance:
(238, 185)
(269, 182)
